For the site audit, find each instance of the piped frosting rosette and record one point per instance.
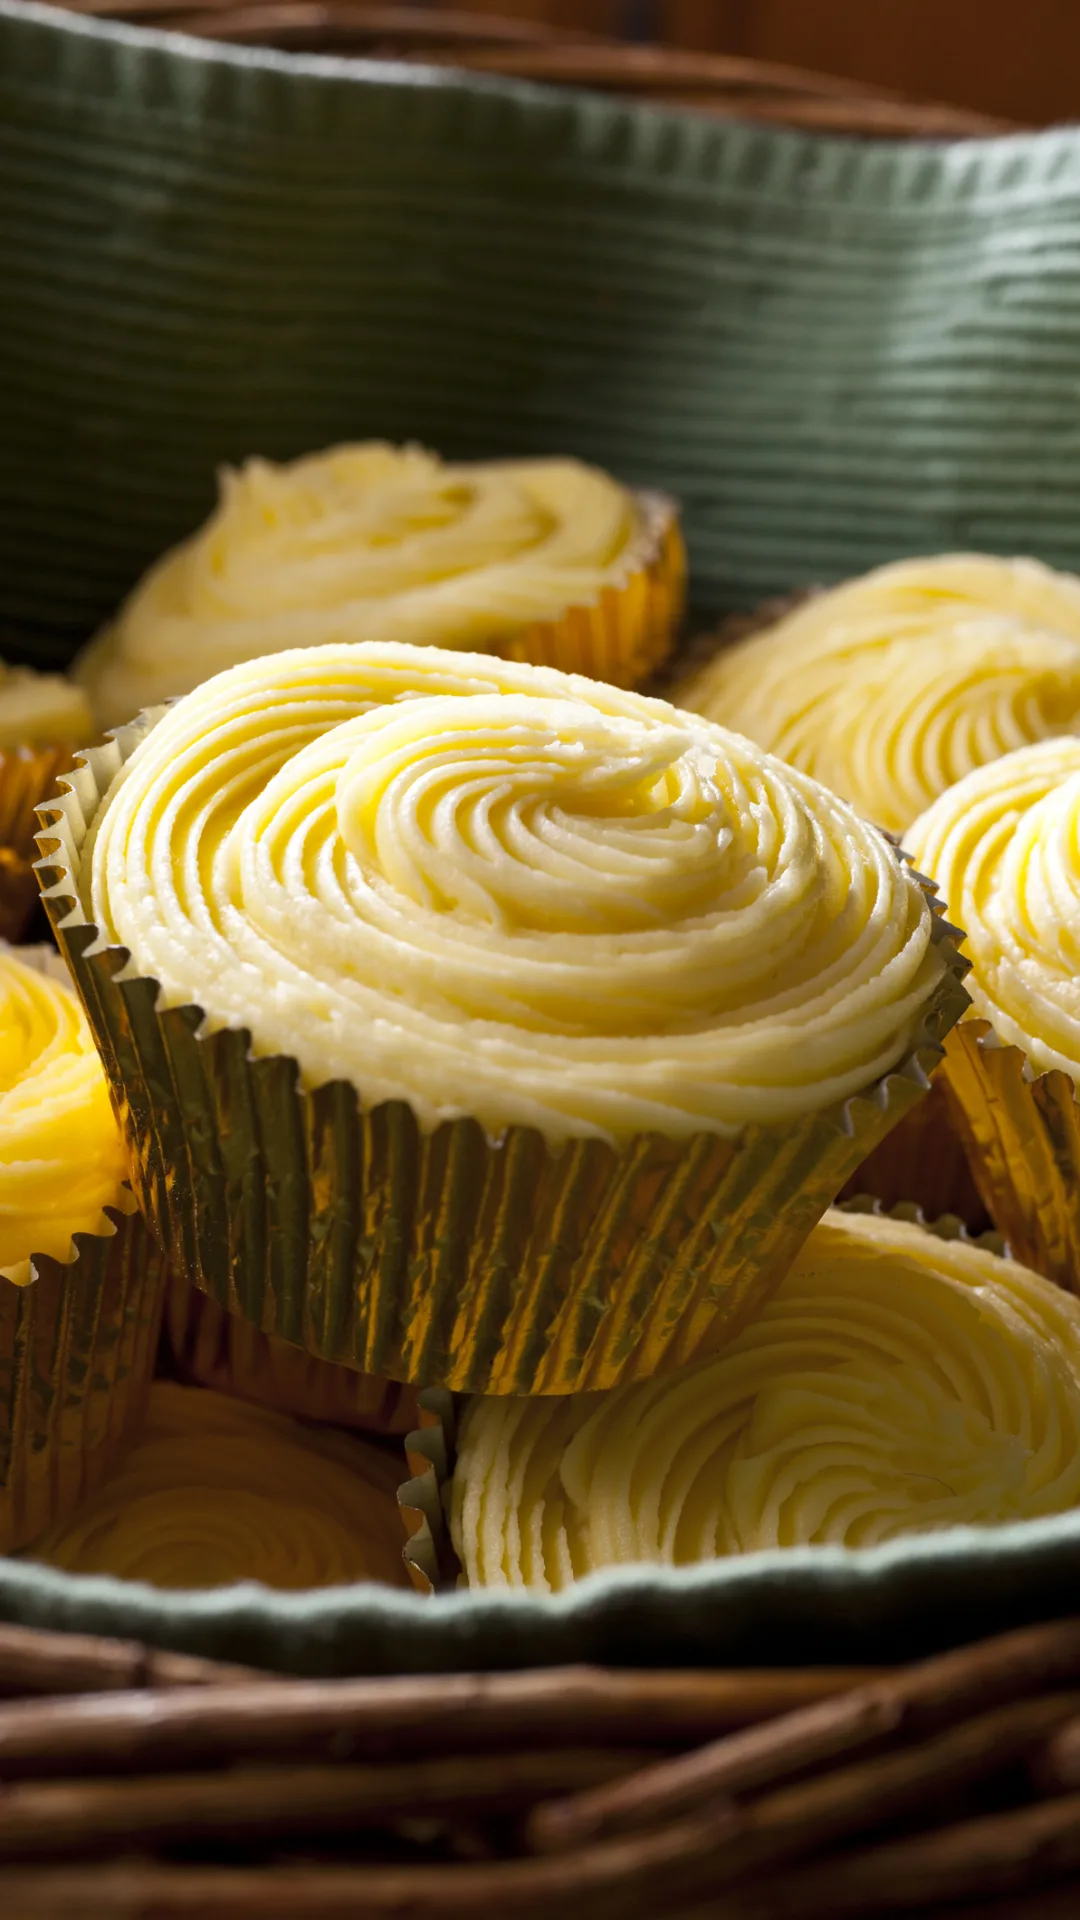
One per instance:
(544, 560)
(80, 1277)
(43, 718)
(480, 1025)
(215, 1491)
(896, 1383)
(1004, 848)
(892, 687)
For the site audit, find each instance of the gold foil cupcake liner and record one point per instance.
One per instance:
(206, 1347)
(924, 1160)
(448, 1258)
(77, 1350)
(431, 1449)
(27, 776)
(1021, 1132)
(626, 633)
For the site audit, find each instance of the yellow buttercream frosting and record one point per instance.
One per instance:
(890, 688)
(367, 542)
(215, 1490)
(37, 709)
(1004, 847)
(894, 1384)
(61, 1155)
(497, 890)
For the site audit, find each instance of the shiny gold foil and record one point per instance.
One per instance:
(77, 1349)
(209, 1348)
(428, 1552)
(630, 629)
(924, 1161)
(447, 1258)
(1022, 1137)
(27, 776)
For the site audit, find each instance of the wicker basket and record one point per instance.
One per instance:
(139, 1783)
(528, 50)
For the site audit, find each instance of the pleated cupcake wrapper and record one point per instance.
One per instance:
(207, 1347)
(78, 1344)
(924, 1160)
(77, 1350)
(447, 1258)
(27, 776)
(431, 1449)
(1021, 1132)
(625, 634)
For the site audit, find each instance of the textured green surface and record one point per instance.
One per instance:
(832, 352)
(781, 1609)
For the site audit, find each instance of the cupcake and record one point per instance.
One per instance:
(477, 1025)
(1003, 846)
(896, 1383)
(542, 560)
(43, 717)
(215, 1491)
(80, 1277)
(209, 1348)
(890, 688)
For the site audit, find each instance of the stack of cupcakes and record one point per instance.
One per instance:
(477, 1025)
(540, 561)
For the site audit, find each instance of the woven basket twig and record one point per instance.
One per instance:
(529, 50)
(576, 1791)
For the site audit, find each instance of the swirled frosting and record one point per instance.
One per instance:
(497, 890)
(61, 1155)
(1004, 847)
(892, 687)
(37, 709)
(214, 1490)
(365, 542)
(894, 1384)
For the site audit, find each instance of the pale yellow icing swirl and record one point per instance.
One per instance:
(892, 687)
(511, 893)
(214, 1490)
(38, 709)
(894, 1384)
(1004, 847)
(61, 1155)
(365, 542)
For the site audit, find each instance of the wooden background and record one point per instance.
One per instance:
(1016, 58)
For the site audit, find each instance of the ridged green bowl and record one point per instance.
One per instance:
(832, 352)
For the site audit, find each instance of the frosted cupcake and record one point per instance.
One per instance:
(80, 1277)
(215, 1491)
(541, 560)
(890, 688)
(1003, 846)
(43, 718)
(895, 1384)
(485, 1026)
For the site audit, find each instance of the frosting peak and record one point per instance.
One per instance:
(890, 688)
(61, 1156)
(366, 542)
(1004, 848)
(503, 891)
(895, 1383)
